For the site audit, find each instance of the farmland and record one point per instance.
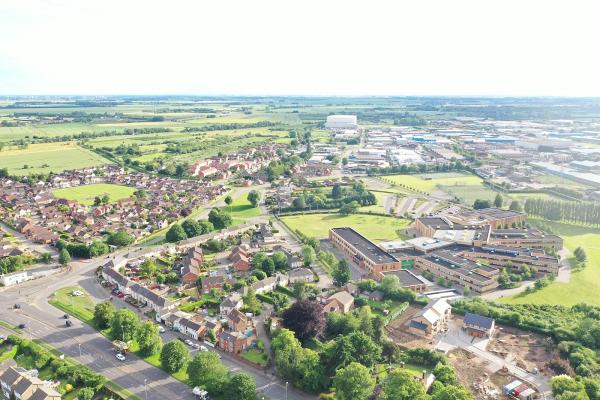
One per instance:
(85, 194)
(376, 228)
(48, 157)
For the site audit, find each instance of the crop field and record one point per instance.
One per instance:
(374, 227)
(584, 285)
(428, 183)
(85, 194)
(48, 157)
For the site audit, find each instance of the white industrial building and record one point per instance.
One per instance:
(14, 278)
(341, 122)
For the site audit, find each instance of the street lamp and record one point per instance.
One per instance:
(145, 391)
(286, 387)
(79, 344)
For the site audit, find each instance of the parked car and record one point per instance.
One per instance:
(66, 316)
(21, 326)
(68, 323)
(120, 357)
(203, 348)
(196, 346)
(161, 329)
(17, 306)
(189, 342)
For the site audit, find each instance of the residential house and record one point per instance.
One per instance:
(191, 328)
(431, 319)
(340, 302)
(45, 393)
(231, 302)
(478, 325)
(113, 277)
(212, 282)
(147, 297)
(234, 342)
(238, 321)
(239, 259)
(269, 284)
(301, 275)
(190, 269)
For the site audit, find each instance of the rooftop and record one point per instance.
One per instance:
(364, 246)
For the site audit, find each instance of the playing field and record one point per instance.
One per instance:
(584, 285)
(428, 183)
(376, 228)
(469, 193)
(85, 194)
(48, 157)
(241, 208)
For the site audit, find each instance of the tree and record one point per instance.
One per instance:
(219, 218)
(124, 325)
(480, 204)
(354, 347)
(206, 227)
(268, 266)
(64, 257)
(175, 234)
(85, 393)
(149, 268)
(349, 208)
(580, 254)
(103, 314)
(228, 201)
(140, 194)
(305, 318)
(149, 339)
(192, 228)
(240, 387)
(280, 260)
(46, 258)
(251, 303)
(3, 172)
(174, 356)
(515, 206)
(308, 255)
(341, 273)
(97, 248)
(498, 201)
(451, 392)
(254, 198)
(353, 382)
(337, 192)
(120, 239)
(299, 290)
(206, 370)
(257, 259)
(105, 199)
(400, 385)
(97, 201)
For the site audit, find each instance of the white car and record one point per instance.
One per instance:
(203, 348)
(120, 357)
(189, 342)
(161, 329)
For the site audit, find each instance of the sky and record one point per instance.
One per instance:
(284, 47)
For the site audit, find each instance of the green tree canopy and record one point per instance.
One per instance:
(174, 356)
(353, 382)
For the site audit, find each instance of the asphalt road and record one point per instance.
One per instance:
(45, 322)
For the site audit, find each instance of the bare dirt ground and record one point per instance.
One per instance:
(396, 331)
(528, 350)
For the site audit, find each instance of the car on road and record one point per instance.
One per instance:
(161, 329)
(17, 306)
(68, 323)
(22, 326)
(189, 342)
(120, 357)
(66, 316)
(196, 346)
(121, 295)
(202, 348)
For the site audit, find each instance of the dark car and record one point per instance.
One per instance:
(17, 305)
(66, 316)
(68, 323)
(21, 326)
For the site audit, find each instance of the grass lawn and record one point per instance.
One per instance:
(49, 157)
(380, 206)
(81, 307)
(256, 357)
(584, 285)
(241, 208)
(374, 227)
(85, 194)
(429, 182)
(469, 193)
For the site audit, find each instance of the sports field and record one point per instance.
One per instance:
(85, 194)
(429, 182)
(374, 227)
(584, 285)
(48, 157)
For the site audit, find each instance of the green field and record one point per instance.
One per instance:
(469, 193)
(374, 227)
(241, 208)
(380, 206)
(584, 285)
(81, 307)
(429, 182)
(85, 194)
(48, 157)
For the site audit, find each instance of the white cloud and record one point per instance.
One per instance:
(321, 47)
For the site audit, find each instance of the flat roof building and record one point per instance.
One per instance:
(362, 251)
(341, 122)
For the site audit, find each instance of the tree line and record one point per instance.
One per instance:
(587, 213)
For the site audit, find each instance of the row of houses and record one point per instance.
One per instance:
(35, 212)
(19, 383)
